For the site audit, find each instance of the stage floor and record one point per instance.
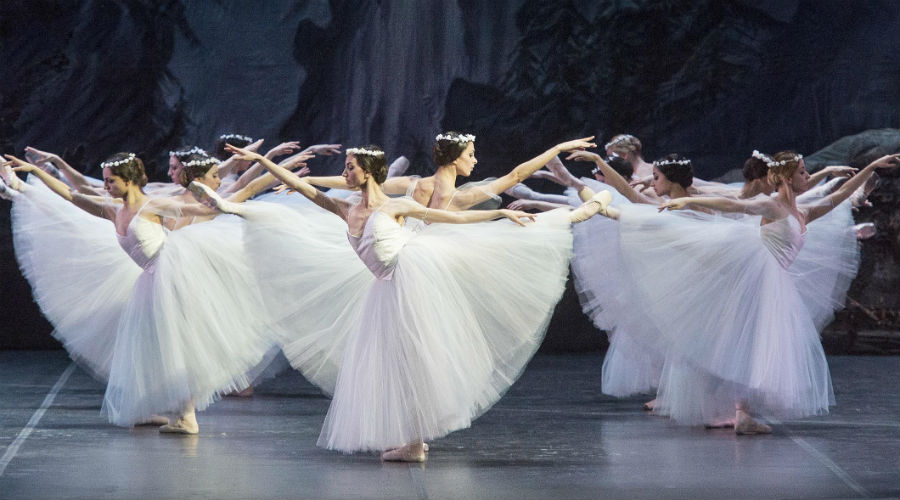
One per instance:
(552, 436)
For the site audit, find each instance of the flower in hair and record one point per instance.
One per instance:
(618, 140)
(110, 164)
(460, 138)
(182, 154)
(236, 136)
(761, 157)
(773, 164)
(663, 163)
(364, 151)
(202, 162)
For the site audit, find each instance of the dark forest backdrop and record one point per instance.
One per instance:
(711, 79)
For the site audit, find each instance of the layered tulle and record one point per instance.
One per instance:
(448, 328)
(312, 283)
(715, 297)
(600, 275)
(193, 327)
(79, 276)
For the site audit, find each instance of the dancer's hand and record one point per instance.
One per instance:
(283, 188)
(37, 156)
(676, 204)
(17, 165)
(324, 149)
(840, 171)
(517, 216)
(887, 161)
(577, 144)
(283, 149)
(584, 156)
(643, 183)
(243, 153)
(298, 160)
(254, 146)
(520, 205)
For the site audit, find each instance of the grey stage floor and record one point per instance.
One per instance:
(553, 436)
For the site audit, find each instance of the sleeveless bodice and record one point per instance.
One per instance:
(784, 239)
(142, 241)
(380, 243)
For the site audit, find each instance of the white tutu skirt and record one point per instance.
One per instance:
(193, 327)
(79, 275)
(312, 283)
(440, 342)
(715, 300)
(826, 266)
(600, 276)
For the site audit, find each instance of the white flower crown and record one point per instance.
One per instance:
(619, 140)
(201, 162)
(773, 164)
(182, 154)
(364, 151)
(761, 157)
(460, 138)
(236, 136)
(110, 164)
(663, 163)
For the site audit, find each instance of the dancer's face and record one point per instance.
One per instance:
(661, 184)
(353, 174)
(466, 161)
(114, 185)
(211, 178)
(800, 179)
(175, 167)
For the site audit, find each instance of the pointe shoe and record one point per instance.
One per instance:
(181, 426)
(744, 425)
(404, 454)
(246, 393)
(425, 447)
(722, 424)
(649, 405)
(596, 205)
(206, 196)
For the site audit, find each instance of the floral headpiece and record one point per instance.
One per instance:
(773, 164)
(184, 154)
(202, 162)
(663, 163)
(459, 138)
(364, 151)
(761, 157)
(110, 164)
(618, 140)
(236, 136)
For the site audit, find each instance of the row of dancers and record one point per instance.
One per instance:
(390, 304)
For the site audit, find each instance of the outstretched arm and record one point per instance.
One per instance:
(835, 170)
(612, 177)
(767, 207)
(230, 164)
(402, 207)
(75, 178)
(94, 205)
(337, 206)
(826, 204)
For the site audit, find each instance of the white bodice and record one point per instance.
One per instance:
(142, 241)
(380, 243)
(784, 239)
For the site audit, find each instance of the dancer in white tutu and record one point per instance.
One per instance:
(718, 300)
(431, 348)
(190, 330)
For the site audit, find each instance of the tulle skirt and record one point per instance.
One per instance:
(727, 316)
(79, 275)
(312, 283)
(193, 327)
(440, 342)
(600, 276)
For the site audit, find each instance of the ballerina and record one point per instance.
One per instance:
(719, 301)
(188, 333)
(427, 354)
